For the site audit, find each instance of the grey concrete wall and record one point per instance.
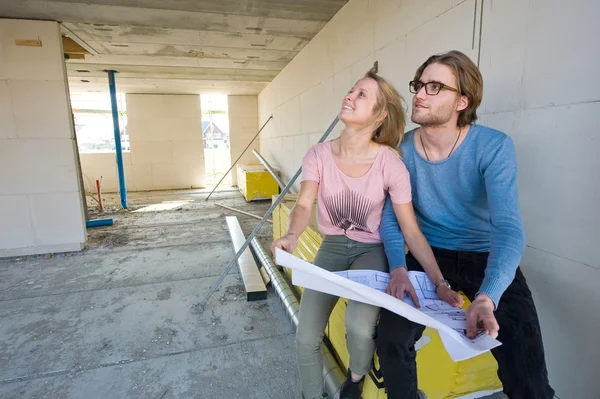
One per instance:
(243, 126)
(40, 199)
(167, 151)
(539, 61)
(541, 88)
(103, 166)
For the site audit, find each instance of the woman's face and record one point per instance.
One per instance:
(359, 103)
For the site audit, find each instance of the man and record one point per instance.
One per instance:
(463, 178)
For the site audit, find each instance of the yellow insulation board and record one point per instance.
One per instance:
(439, 376)
(255, 182)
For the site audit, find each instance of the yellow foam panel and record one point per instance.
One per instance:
(255, 182)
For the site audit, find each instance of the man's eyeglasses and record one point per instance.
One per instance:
(431, 88)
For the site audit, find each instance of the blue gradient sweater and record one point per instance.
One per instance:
(467, 202)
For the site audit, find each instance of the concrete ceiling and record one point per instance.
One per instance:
(181, 46)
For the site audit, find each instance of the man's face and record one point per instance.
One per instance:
(435, 110)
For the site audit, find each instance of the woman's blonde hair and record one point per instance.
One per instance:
(389, 105)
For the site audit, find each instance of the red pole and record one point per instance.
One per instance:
(99, 196)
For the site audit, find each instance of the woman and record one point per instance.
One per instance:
(350, 177)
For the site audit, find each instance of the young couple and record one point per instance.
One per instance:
(448, 190)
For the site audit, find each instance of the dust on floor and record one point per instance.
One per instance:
(118, 319)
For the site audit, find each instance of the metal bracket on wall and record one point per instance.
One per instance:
(375, 68)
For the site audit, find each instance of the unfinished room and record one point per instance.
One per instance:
(299, 199)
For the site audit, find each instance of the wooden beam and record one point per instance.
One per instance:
(73, 56)
(253, 281)
(28, 43)
(70, 46)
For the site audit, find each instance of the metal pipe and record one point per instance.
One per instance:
(118, 149)
(98, 222)
(219, 280)
(333, 376)
(99, 195)
(241, 212)
(242, 154)
(269, 168)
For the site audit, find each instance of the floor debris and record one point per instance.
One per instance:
(121, 311)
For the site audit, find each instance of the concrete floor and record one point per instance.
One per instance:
(117, 320)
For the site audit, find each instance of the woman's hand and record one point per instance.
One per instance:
(299, 217)
(400, 284)
(450, 296)
(288, 243)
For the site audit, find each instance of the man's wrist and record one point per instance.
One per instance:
(483, 298)
(398, 269)
(396, 259)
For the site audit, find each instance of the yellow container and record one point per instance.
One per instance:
(439, 376)
(256, 183)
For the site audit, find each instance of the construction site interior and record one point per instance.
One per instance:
(150, 153)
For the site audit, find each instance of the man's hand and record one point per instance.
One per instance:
(399, 284)
(480, 316)
(449, 296)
